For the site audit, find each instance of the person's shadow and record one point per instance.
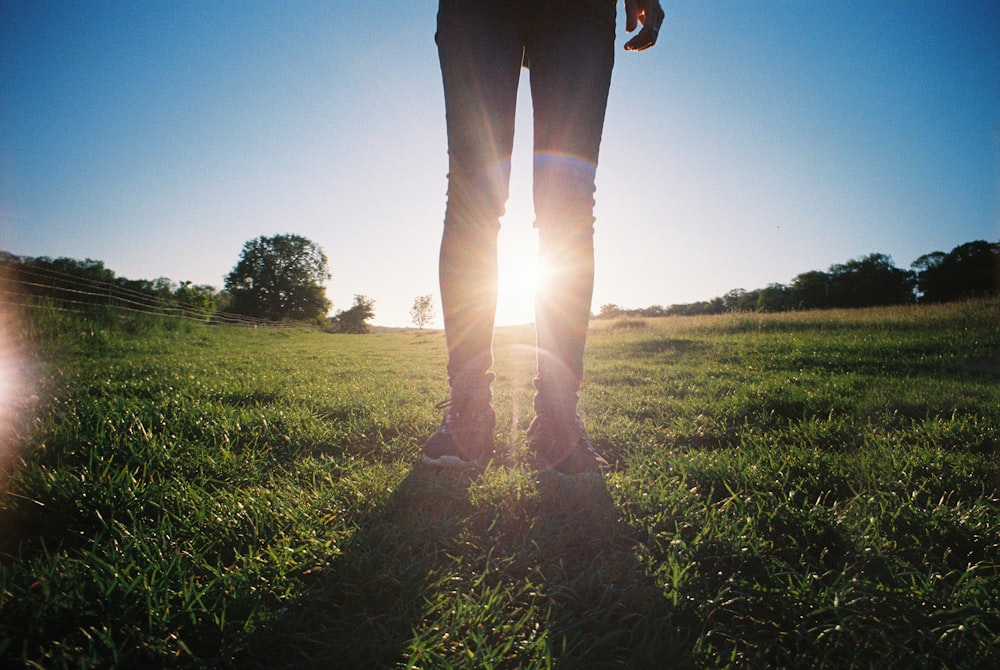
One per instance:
(607, 611)
(599, 608)
(359, 611)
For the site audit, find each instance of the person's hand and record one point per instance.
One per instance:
(650, 15)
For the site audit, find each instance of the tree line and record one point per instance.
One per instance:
(78, 284)
(277, 279)
(280, 279)
(969, 270)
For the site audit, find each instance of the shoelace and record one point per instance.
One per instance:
(452, 407)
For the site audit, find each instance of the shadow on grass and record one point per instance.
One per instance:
(665, 348)
(361, 609)
(507, 571)
(606, 610)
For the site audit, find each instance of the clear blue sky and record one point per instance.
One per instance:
(758, 140)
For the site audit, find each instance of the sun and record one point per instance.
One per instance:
(517, 251)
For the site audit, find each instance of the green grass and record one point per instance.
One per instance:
(814, 490)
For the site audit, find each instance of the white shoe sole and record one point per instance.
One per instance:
(446, 460)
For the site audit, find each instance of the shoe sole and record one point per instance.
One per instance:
(447, 461)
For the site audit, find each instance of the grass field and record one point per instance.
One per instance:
(815, 490)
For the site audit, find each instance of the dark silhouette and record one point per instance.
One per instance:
(970, 270)
(568, 49)
(811, 290)
(871, 281)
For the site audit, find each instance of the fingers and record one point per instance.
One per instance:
(645, 39)
(631, 15)
(651, 15)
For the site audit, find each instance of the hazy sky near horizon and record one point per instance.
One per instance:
(758, 140)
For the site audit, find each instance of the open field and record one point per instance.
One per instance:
(813, 490)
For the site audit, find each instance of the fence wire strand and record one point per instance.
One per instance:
(71, 293)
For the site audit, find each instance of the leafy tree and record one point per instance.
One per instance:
(967, 271)
(200, 298)
(870, 282)
(422, 311)
(354, 320)
(714, 306)
(740, 300)
(932, 278)
(280, 278)
(86, 269)
(811, 290)
(774, 298)
(68, 282)
(610, 311)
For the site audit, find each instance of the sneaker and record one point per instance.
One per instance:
(465, 436)
(563, 445)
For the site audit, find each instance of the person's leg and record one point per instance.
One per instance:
(571, 52)
(480, 48)
(480, 45)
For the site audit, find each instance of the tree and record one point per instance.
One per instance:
(932, 277)
(610, 311)
(280, 278)
(353, 320)
(774, 298)
(67, 281)
(200, 299)
(422, 311)
(740, 300)
(871, 281)
(811, 290)
(969, 270)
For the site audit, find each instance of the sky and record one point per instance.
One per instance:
(756, 141)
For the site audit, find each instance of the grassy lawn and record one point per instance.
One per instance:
(814, 490)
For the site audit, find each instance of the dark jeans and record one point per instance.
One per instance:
(568, 46)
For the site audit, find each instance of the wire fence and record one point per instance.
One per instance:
(26, 286)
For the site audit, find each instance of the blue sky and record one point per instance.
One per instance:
(756, 141)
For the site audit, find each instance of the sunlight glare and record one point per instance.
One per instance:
(517, 251)
(13, 392)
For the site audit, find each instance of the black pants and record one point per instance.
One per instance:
(568, 46)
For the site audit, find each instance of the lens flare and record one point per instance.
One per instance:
(16, 392)
(523, 274)
(518, 262)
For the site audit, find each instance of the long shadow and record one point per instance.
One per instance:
(606, 609)
(360, 611)
(602, 609)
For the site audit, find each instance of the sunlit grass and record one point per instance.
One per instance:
(804, 490)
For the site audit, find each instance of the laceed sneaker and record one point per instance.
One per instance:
(561, 444)
(465, 436)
